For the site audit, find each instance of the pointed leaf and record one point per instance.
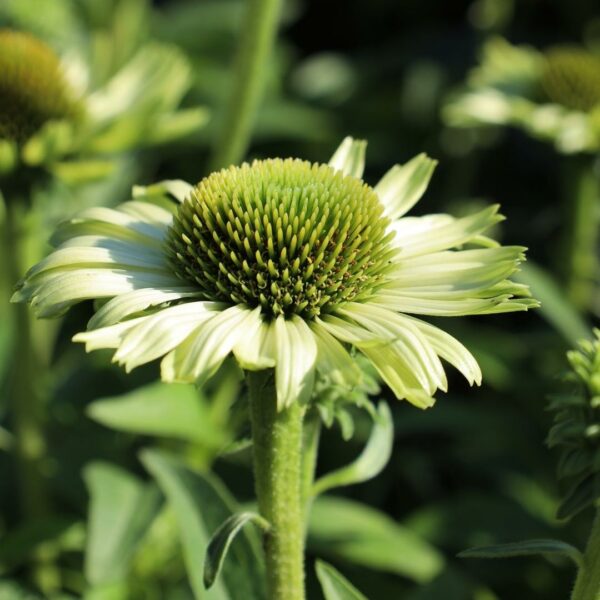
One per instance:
(372, 460)
(355, 532)
(334, 585)
(221, 540)
(121, 509)
(526, 548)
(170, 410)
(201, 504)
(582, 495)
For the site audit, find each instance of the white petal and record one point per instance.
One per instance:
(398, 377)
(296, 351)
(106, 337)
(332, 358)
(416, 352)
(148, 212)
(177, 188)
(349, 332)
(52, 293)
(349, 158)
(421, 235)
(450, 349)
(163, 331)
(124, 305)
(403, 185)
(256, 349)
(198, 357)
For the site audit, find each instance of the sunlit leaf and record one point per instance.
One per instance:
(354, 532)
(334, 585)
(121, 509)
(201, 504)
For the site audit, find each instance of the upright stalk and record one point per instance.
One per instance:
(24, 383)
(587, 585)
(258, 34)
(277, 445)
(582, 192)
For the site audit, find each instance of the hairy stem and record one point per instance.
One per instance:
(277, 443)
(257, 38)
(587, 585)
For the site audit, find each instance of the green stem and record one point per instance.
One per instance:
(277, 444)
(257, 38)
(24, 382)
(583, 208)
(587, 585)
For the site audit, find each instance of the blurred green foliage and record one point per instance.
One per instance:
(133, 466)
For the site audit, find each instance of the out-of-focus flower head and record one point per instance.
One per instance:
(553, 95)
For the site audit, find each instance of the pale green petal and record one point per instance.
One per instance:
(451, 308)
(349, 158)
(256, 349)
(408, 342)
(421, 235)
(111, 223)
(350, 332)
(398, 377)
(451, 350)
(403, 185)
(95, 257)
(163, 331)
(177, 188)
(465, 270)
(125, 305)
(53, 293)
(201, 354)
(146, 211)
(296, 352)
(333, 359)
(107, 337)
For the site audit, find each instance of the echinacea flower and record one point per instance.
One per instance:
(553, 95)
(54, 118)
(287, 265)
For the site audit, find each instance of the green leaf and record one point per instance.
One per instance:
(334, 585)
(201, 504)
(555, 307)
(371, 461)
(583, 495)
(121, 509)
(167, 410)
(354, 532)
(526, 548)
(221, 540)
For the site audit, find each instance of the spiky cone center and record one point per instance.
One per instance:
(33, 87)
(286, 235)
(571, 77)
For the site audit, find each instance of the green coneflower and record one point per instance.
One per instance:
(571, 77)
(33, 86)
(285, 264)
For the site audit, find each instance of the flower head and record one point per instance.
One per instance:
(576, 429)
(553, 95)
(33, 86)
(287, 265)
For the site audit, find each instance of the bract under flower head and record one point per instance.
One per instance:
(33, 87)
(286, 235)
(285, 265)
